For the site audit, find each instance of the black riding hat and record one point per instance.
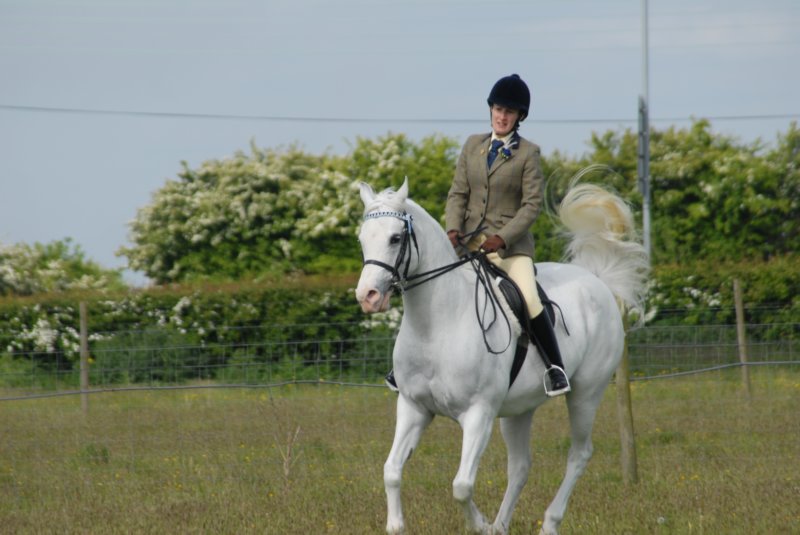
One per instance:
(511, 92)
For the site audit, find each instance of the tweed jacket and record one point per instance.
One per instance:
(506, 198)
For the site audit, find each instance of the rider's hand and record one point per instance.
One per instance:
(493, 243)
(455, 238)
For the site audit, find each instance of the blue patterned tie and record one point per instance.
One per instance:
(496, 144)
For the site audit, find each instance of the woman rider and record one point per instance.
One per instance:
(497, 187)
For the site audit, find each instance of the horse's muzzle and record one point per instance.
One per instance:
(372, 300)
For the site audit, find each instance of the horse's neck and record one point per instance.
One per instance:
(431, 302)
(432, 305)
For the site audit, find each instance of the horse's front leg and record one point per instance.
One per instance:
(477, 428)
(411, 422)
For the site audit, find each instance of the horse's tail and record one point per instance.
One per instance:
(602, 239)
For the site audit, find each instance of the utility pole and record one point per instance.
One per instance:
(644, 136)
(624, 406)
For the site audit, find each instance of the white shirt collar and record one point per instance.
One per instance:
(504, 139)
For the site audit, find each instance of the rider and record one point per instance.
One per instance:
(497, 187)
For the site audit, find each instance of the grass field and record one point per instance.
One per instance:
(299, 460)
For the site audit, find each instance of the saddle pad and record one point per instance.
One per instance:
(515, 301)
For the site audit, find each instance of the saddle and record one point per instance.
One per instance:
(516, 303)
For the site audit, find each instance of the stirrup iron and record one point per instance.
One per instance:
(557, 392)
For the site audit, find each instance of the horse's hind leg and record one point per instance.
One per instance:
(517, 435)
(411, 422)
(582, 409)
(476, 424)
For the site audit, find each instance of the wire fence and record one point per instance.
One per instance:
(664, 351)
(155, 359)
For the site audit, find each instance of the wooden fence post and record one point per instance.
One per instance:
(84, 345)
(630, 472)
(740, 336)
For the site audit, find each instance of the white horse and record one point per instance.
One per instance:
(441, 362)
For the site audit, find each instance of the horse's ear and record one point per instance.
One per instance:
(367, 193)
(402, 193)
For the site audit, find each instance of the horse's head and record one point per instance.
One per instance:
(386, 237)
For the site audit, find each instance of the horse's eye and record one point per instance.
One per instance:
(395, 239)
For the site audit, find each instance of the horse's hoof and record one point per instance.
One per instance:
(480, 528)
(395, 529)
(497, 530)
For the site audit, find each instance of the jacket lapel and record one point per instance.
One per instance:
(483, 149)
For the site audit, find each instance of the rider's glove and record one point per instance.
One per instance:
(493, 243)
(455, 238)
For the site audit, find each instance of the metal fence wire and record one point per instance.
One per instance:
(159, 359)
(660, 351)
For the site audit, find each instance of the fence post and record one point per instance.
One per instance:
(740, 336)
(625, 415)
(84, 345)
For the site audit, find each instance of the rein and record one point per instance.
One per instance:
(401, 282)
(477, 259)
(433, 273)
(484, 278)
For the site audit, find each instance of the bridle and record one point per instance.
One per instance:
(399, 281)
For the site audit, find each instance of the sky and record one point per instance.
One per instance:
(101, 100)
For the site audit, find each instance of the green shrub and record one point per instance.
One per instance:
(151, 356)
(702, 292)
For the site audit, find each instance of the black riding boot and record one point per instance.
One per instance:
(544, 338)
(391, 382)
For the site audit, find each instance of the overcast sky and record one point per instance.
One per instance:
(100, 100)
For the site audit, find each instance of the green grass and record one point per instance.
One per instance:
(233, 461)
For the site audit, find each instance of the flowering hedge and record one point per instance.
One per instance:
(53, 267)
(268, 212)
(702, 292)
